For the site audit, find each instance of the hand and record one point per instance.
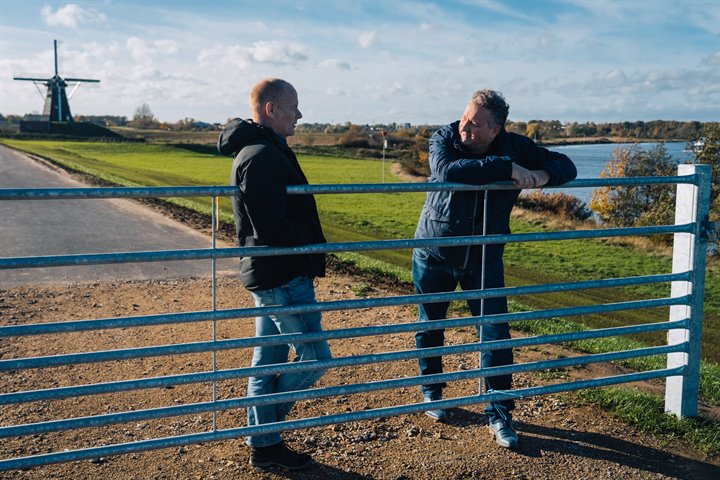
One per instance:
(525, 178)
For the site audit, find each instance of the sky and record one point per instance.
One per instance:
(370, 62)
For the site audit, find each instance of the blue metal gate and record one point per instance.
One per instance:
(683, 349)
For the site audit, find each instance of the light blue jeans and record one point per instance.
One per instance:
(297, 291)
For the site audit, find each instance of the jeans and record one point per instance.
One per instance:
(297, 291)
(432, 276)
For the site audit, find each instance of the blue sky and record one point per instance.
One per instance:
(371, 61)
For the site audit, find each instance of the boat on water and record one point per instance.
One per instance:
(696, 146)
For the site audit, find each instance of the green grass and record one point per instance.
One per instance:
(709, 371)
(646, 411)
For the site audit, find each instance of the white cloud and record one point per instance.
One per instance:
(138, 48)
(502, 8)
(711, 60)
(457, 61)
(397, 88)
(332, 64)
(71, 15)
(273, 53)
(708, 20)
(335, 92)
(167, 47)
(366, 39)
(142, 50)
(546, 40)
(615, 78)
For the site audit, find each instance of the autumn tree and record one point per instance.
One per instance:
(534, 131)
(709, 154)
(635, 205)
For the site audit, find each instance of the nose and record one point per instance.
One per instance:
(299, 115)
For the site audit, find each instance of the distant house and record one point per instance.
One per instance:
(203, 125)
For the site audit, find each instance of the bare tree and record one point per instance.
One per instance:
(143, 117)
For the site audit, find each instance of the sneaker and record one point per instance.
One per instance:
(436, 414)
(278, 455)
(504, 433)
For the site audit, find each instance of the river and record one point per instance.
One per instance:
(590, 161)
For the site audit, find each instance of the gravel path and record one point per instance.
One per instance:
(560, 438)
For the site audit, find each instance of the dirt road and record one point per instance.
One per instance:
(560, 439)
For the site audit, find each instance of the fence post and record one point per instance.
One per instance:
(692, 205)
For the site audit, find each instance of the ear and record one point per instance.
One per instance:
(269, 109)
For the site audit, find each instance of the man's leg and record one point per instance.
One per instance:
(498, 413)
(265, 355)
(269, 450)
(301, 292)
(298, 291)
(430, 276)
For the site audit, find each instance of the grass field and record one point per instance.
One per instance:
(368, 217)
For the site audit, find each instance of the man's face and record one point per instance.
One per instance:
(285, 113)
(476, 135)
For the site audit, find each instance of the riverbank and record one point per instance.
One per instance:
(559, 142)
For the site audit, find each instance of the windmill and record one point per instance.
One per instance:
(57, 107)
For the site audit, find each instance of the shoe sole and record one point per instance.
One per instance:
(436, 417)
(268, 465)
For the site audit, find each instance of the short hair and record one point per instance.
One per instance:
(495, 103)
(267, 90)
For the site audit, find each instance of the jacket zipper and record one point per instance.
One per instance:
(467, 251)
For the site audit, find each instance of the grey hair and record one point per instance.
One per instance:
(495, 103)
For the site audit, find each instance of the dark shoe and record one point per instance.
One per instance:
(278, 455)
(504, 433)
(436, 414)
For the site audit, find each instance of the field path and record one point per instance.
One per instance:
(61, 227)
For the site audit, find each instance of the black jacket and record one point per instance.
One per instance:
(264, 213)
(460, 213)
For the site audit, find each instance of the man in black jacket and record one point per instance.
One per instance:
(476, 150)
(264, 166)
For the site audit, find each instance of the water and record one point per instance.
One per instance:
(590, 161)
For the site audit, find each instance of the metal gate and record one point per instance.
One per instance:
(691, 230)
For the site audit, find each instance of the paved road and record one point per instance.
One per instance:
(58, 227)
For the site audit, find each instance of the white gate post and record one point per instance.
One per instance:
(689, 251)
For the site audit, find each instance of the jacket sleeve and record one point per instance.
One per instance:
(533, 157)
(448, 165)
(264, 186)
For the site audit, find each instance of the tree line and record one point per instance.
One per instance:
(539, 130)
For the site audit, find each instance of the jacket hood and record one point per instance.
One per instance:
(237, 134)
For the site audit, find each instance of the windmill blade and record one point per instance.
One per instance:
(81, 80)
(32, 79)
